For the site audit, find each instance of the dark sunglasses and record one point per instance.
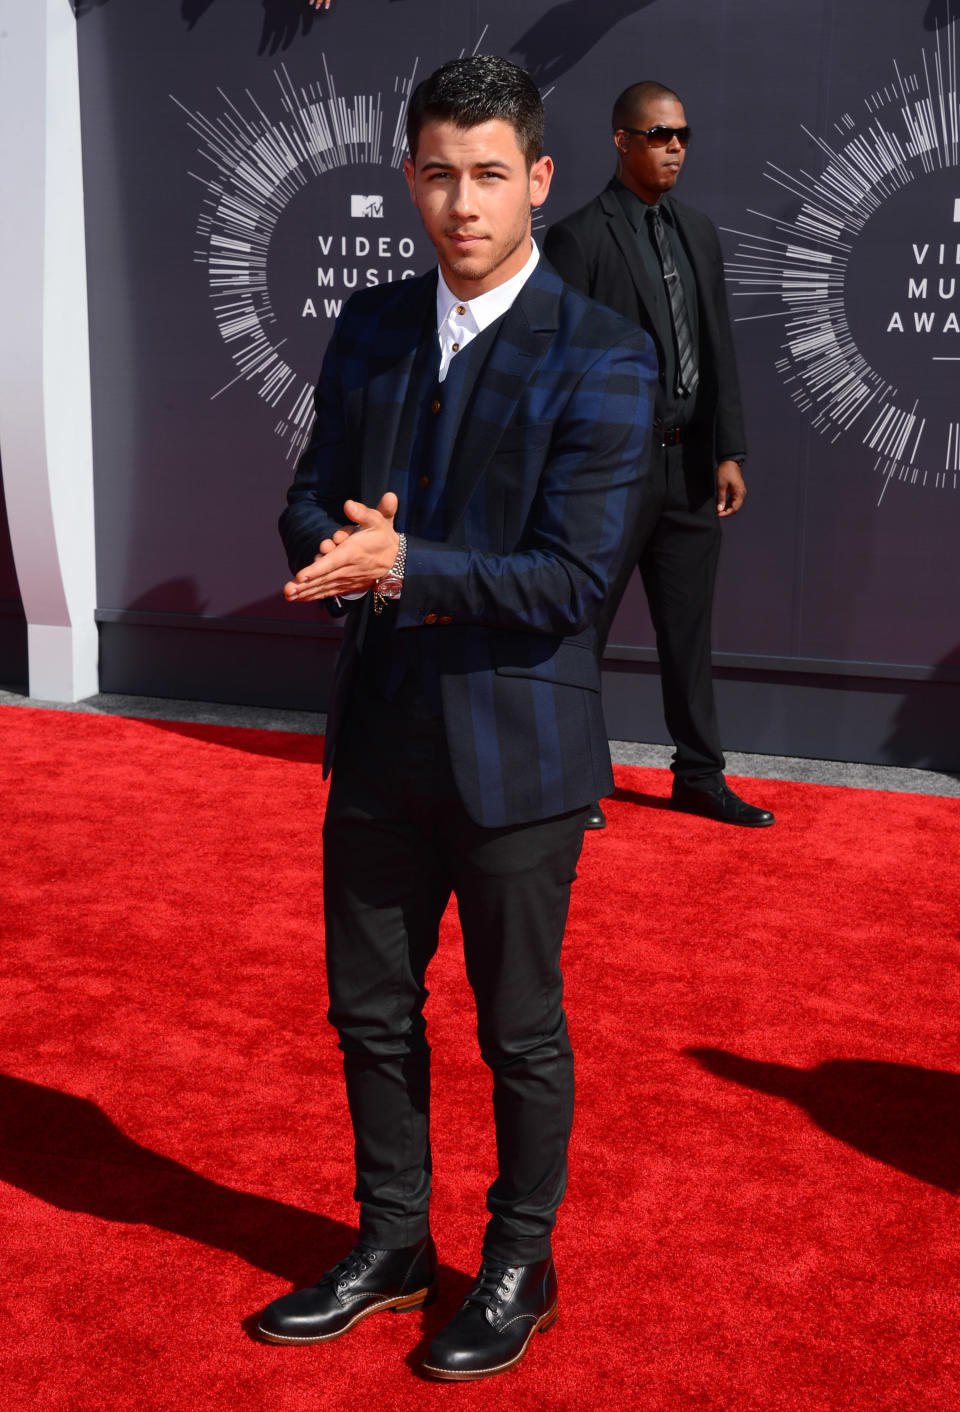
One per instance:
(659, 136)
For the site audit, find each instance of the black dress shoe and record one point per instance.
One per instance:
(716, 800)
(363, 1283)
(491, 1330)
(596, 818)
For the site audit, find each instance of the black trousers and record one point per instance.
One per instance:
(677, 546)
(397, 842)
(678, 565)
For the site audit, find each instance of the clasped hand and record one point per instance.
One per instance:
(354, 558)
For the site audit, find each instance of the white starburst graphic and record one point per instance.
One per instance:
(260, 160)
(807, 267)
(259, 164)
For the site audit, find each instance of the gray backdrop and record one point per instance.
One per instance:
(241, 168)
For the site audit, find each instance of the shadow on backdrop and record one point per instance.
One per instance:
(284, 21)
(905, 1117)
(925, 732)
(561, 37)
(181, 596)
(940, 13)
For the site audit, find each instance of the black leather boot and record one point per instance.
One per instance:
(490, 1332)
(363, 1283)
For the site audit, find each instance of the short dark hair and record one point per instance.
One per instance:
(632, 99)
(477, 90)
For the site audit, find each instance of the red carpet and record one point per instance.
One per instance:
(762, 1210)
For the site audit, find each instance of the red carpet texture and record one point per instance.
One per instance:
(763, 1201)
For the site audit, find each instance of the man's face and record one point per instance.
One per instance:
(474, 194)
(650, 171)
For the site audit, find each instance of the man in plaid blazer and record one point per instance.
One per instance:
(467, 499)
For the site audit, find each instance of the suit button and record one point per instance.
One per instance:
(444, 621)
(435, 405)
(423, 482)
(430, 619)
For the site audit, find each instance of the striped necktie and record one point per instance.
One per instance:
(687, 372)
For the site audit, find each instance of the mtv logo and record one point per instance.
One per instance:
(367, 206)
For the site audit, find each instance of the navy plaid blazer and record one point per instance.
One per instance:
(542, 492)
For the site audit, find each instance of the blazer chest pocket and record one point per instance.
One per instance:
(546, 659)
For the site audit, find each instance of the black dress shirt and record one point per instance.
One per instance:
(678, 410)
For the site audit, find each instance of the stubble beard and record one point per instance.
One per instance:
(489, 267)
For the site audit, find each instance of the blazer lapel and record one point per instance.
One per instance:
(528, 329)
(625, 238)
(389, 369)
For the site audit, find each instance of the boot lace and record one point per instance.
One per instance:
(350, 1268)
(495, 1283)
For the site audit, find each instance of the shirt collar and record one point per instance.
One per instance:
(484, 308)
(635, 208)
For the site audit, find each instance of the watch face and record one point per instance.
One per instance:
(390, 585)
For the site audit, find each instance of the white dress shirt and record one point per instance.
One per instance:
(460, 320)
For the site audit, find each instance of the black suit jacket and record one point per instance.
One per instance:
(595, 250)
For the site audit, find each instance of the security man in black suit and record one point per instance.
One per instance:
(657, 261)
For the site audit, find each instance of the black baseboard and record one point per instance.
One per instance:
(899, 719)
(283, 670)
(869, 720)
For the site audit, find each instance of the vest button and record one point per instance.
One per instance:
(423, 482)
(430, 619)
(435, 405)
(444, 621)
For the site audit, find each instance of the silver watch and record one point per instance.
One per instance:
(390, 585)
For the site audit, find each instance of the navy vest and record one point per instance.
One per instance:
(427, 436)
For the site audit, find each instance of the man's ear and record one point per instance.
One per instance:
(541, 174)
(410, 173)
